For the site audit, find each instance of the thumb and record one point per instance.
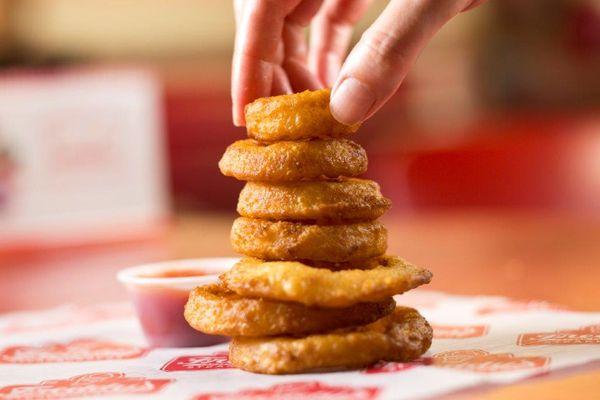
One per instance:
(381, 59)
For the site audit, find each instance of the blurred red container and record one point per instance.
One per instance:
(159, 292)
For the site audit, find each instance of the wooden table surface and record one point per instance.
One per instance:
(523, 256)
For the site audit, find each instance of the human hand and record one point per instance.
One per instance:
(272, 57)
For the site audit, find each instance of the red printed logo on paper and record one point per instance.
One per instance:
(585, 335)
(194, 363)
(75, 351)
(519, 306)
(385, 367)
(483, 361)
(297, 391)
(459, 332)
(88, 385)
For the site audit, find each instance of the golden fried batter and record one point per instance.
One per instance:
(216, 310)
(294, 281)
(345, 199)
(250, 160)
(401, 336)
(295, 116)
(282, 240)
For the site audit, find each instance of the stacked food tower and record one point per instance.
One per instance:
(314, 292)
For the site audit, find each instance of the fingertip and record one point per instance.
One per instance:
(238, 118)
(351, 101)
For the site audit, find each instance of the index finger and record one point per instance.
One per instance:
(256, 51)
(331, 31)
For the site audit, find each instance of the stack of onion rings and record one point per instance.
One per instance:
(314, 292)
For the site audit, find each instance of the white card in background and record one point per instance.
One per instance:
(81, 157)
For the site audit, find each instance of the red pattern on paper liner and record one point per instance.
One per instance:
(385, 367)
(474, 360)
(218, 360)
(87, 385)
(79, 350)
(585, 335)
(484, 361)
(313, 390)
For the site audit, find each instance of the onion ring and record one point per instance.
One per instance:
(216, 310)
(295, 116)
(294, 281)
(249, 160)
(282, 240)
(402, 336)
(345, 199)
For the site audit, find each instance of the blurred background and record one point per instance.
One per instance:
(114, 114)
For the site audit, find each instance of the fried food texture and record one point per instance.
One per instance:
(315, 289)
(319, 287)
(216, 310)
(250, 160)
(401, 336)
(282, 240)
(295, 116)
(345, 199)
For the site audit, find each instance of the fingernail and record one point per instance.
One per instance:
(351, 101)
(237, 119)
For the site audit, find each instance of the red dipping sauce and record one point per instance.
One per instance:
(159, 292)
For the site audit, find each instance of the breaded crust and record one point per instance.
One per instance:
(216, 310)
(401, 336)
(282, 240)
(249, 160)
(319, 287)
(345, 199)
(295, 116)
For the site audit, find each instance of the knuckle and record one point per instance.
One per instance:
(384, 47)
